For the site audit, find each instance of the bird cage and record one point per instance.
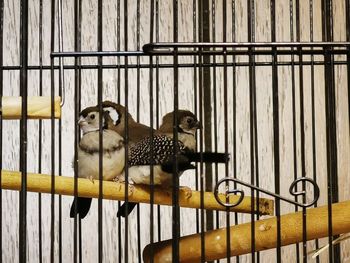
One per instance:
(269, 84)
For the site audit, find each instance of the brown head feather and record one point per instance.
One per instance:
(167, 122)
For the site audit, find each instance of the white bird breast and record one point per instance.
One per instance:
(113, 161)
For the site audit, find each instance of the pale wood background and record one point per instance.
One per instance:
(10, 152)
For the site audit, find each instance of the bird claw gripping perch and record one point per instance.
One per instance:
(187, 191)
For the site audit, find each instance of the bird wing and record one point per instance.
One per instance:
(163, 149)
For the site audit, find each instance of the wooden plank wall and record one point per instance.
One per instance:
(10, 151)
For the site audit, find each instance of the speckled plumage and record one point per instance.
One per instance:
(163, 150)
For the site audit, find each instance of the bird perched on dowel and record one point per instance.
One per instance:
(113, 146)
(88, 151)
(140, 155)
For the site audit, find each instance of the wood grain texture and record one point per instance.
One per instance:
(290, 83)
(38, 108)
(265, 235)
(41, 183)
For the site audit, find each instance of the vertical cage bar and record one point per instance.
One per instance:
(23, 131)
(53, 148)
(77, 106)
(331, 125)
(347, 12)
(234, 106)
(207, 112)
(195, 84)
(302, 123)
(295, 157)
(151, 132)
(224, 36)
(126, 135)
(215, 110)
(157, 109)
(62, 95)
(99, 101)
(254, 179)
(138, 15)
(40, 127)
(175, 192)
(1, 94)
(201, 9)
(276, 152)
(118, 101)
(314, 166)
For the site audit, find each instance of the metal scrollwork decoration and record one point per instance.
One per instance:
(303, 192)
(228, 193)
(292, 191)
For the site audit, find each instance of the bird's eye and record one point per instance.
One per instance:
(92, 116)
(189, 120)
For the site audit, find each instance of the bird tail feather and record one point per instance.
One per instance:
(208, 157)
(122, 211)
(83, 206)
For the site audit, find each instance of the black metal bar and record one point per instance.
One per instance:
(234, 106)
(200, 109)
(151, 134)
(157, 108)
(185, 65)
(166, 46)
(77, 235)
(175, 192)
(215, 107)
(99, 101)
(275, 102)
(1, 94)
(53, 147)
(260, 50)
(40, 128)
(295, 157)
(204, 13)
(118, 101)
(138, 15)
(118, 74)
(224, 33)
(195, 93)
(314, 163)
(126, 135)
(331, 125)
(61, 93)
(347, 12)
(302, 127)
(23, 131)
(252, 108)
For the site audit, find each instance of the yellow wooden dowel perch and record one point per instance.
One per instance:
(115, 191)
(38, 107)
(265, 235)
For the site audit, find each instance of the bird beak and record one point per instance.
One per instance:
(197, 125)
(81, 121)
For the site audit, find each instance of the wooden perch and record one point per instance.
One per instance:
(38, 107)
(265, 235)
(115, 191)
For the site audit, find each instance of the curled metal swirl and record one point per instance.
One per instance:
(292, 191)
(303, 192)
(228, 193)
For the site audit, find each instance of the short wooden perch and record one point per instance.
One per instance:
(38, 107)
(115, 191)
(265, 235)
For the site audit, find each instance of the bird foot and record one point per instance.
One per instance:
(118, 179)
(131, 189)
(187, 191)
(91, 179)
